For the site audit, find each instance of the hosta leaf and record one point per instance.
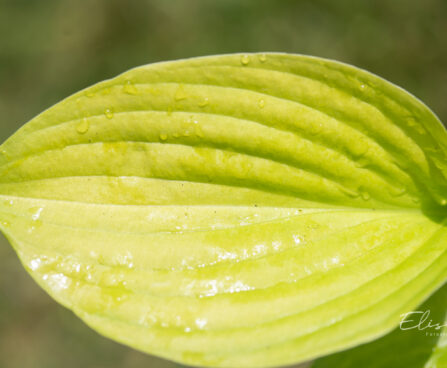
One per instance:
(418, 342)
(234, 211)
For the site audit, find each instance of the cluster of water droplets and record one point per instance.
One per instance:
(246, 59)
(83, 125)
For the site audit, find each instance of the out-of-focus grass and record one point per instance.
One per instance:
(52, 48)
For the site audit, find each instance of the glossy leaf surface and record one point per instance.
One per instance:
(234, 211)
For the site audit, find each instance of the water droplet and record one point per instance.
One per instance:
(359, 148)
(362, 86)
(83, 126)
(36, 216)
(276, 245)
(35, 264)
(411, 122)
(259, 249)
(262, 58)
(296, 239)
(201, 323)
(129, 88)
(163, 136)
(58, 282)
(350, 193)
(261, 103)
(204, 102)
(397, 192)
(90, 94)
(365, 195)
(420, 129)
(315, 128)
(108, 113)
(335, 260)
(180, 93)
(238, 286)
(245, 59)
(125, 260)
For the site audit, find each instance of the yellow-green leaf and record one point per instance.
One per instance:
(418, 342)
(234, 211)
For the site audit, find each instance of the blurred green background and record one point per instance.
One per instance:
(52, 48)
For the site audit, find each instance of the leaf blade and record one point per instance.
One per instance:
(303, 189)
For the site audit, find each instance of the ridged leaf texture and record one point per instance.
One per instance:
(232, 211)
(420, 341)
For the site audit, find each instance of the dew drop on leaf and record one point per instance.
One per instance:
(204, 102)
(420, 130)
(36, 216)
(83, 126)
(411, 122)
(262, 58)
(201, 323)
(365, 195)
(129, 88)
(108, 113)
(397, 192)
(245, 59)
